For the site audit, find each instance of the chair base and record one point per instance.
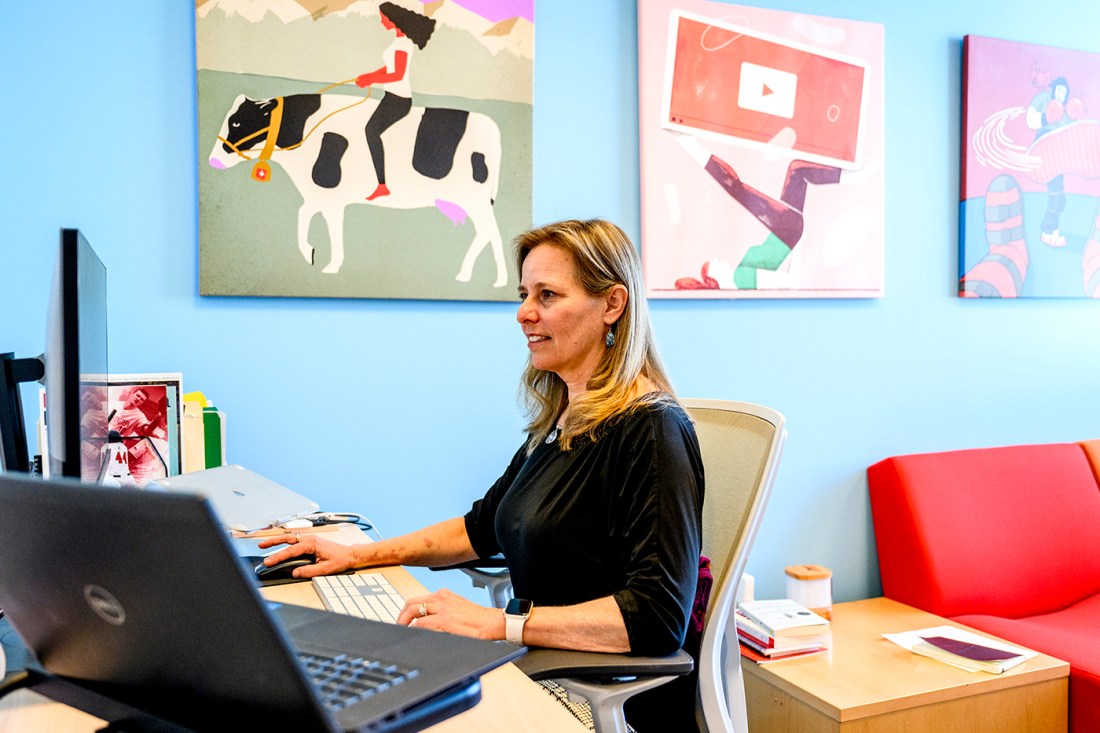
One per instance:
(607, 700)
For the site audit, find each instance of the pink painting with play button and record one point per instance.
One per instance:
(732, 81)
(762, 152)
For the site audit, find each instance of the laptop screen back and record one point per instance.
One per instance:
(138, 595)
(103, 590)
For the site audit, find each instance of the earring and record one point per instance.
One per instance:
(610, 339)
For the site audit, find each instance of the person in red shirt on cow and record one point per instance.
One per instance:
(412, 30)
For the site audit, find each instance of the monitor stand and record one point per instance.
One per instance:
(14, 455)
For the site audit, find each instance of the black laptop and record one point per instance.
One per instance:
(139, 598)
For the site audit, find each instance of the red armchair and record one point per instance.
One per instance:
(1006, 540)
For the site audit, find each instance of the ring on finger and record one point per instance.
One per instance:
(423, 610)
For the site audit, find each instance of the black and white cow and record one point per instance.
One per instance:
(444, 158)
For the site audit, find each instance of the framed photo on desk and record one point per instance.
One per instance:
(147, 412)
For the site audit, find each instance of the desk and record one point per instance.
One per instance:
(866, 684)
(510, 701)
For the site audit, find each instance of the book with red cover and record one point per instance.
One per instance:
(749, 653)
(771, 651)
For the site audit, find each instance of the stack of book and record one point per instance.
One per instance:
(780, 629)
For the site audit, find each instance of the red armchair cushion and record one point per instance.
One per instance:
(1072, 634)
(1007, 531)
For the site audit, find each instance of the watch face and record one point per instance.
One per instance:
(519, 607)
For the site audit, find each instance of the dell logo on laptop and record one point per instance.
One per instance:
(105, 605)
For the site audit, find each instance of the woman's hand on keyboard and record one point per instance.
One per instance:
(445, 610)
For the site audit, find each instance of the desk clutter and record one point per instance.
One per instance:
(769, 630)
(135, 428)
(203, 433)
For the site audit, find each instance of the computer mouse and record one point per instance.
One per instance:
(284, 569)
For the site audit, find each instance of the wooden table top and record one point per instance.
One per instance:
(864, 674)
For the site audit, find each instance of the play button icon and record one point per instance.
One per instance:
(767, 90)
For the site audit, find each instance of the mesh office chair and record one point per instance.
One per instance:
(741, 445)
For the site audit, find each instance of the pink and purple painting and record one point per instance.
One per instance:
(762, 152)
(1030, 197)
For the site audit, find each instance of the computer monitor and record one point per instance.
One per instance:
(14, 455)
(76, 362)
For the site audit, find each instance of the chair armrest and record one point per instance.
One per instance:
(490, 573)
(481, 563)
(544, 664)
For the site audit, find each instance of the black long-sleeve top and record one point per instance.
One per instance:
(619, 516)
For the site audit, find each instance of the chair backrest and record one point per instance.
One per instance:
(741, 445)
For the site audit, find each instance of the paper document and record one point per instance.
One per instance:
(972, 649)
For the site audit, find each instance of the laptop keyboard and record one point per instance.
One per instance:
(345, 680)
(366, 595)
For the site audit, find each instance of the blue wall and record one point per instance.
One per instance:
(406, 411)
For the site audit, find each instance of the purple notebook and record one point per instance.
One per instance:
(969, 650)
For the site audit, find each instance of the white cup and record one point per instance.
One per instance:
(812, 586)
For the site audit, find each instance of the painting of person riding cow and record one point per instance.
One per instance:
(403, 178)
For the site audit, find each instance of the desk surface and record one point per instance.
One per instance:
(509, 700)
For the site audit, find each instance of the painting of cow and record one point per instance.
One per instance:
(448, 159)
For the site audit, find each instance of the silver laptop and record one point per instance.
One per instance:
(137, 598)
(242, 499)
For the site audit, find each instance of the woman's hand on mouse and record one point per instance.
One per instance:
(332, 558)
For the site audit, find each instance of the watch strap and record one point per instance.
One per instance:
(514, 622)
(513, 629)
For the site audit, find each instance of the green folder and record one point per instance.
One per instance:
(213, 423)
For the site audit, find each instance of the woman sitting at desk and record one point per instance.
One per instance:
(599, 512)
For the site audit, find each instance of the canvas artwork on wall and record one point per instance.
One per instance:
(1030, 190)
(762, 152)
(363, 149)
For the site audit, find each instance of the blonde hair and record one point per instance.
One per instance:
(603, 257)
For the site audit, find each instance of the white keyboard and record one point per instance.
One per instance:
(366, 595)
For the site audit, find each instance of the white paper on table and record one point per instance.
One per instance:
(909, 639)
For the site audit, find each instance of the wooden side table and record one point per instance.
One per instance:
(867, 684)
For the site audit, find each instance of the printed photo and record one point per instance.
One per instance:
(144, 429)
